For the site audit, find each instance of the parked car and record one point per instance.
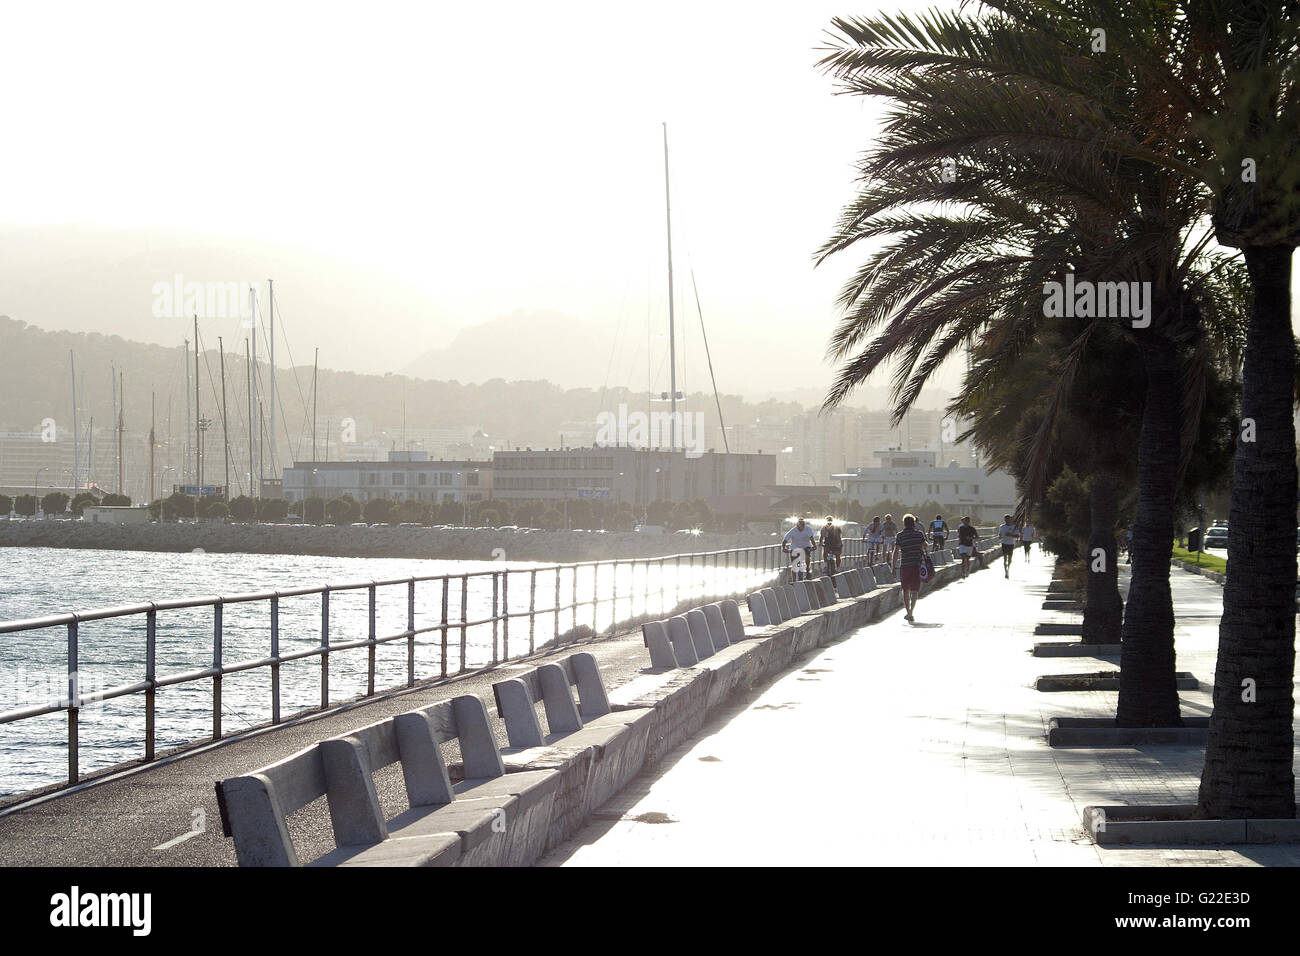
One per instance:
(1216, 537)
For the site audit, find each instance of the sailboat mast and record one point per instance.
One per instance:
(198, 417)
(121, 425)
(672, 335)
(248, 366)
(270, 295)
(153, 422)
(76, 439)
(315, 362)
(225, 427)
(185, 360)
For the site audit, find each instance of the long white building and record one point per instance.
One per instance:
(914, 477)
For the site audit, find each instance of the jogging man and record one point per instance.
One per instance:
(832, 542)
(1027, 538)
(1007, 534)
(890, 531)
(908, 550)
(804, 538)
(938, 533)
(966, 538)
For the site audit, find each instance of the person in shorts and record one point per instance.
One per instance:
(875, 536)
(1007, 534)
(966, 539)
(938, 533)
(909, 548)
(890, 532)
(1027, 538)
(832, 544)
(803, 537)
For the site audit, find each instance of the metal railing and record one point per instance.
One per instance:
(634, 588)
(637, 589)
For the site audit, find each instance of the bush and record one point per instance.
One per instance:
(54, 503)
(313, 510)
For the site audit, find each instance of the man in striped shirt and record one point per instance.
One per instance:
(908, 549)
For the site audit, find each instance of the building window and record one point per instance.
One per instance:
(472, 479)
(399, 478)
(372, 478)
(424, 478)
(444, 477)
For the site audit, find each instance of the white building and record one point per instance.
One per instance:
(914, 477)
(406, 474)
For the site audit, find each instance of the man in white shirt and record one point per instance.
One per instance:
(803, 538)
(1007, 534)
(1027, 537)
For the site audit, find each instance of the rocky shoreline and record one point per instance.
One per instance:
(481, 544)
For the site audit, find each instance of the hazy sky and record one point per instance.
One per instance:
(499, 156)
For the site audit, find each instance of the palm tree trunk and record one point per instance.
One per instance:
(1248, 760)
(1148, 691)
(1103, 615)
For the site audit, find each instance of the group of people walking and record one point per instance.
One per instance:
(902, 549)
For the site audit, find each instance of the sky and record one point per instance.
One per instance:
(492, 157)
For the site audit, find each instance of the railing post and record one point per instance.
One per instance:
(410, 633)
(613, 599)
(496, 597)
(370, 649)
(216, 664)
(557, 604)
(505, 615)
(325, 645)
(595, 594)
(275, 658)
(573, 605)
(532, 609)
(464, 618)
(445, 588)
(74, 703)
(150, 675)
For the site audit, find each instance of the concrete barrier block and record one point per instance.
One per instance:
(783, 603)
(515, 706)
(592, 698)
(354, 808)
(257, 822)
(717, 626)
(758, 609)
(655, 635)
(423, 769)
(802, 601)
(561, 712)
(698, 625)
(731, 618)
(827, 588)
(679, 632)
(774, 615)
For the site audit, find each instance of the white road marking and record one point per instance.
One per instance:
(180, 839)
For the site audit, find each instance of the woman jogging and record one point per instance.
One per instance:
(1007, 534)
(966, 538)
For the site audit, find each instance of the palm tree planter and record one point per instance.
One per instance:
(1099, 680)
(1180, 825)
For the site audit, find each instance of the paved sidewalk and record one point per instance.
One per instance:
(918, 745)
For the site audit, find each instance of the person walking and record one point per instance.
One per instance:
(1007, 534)
(1027, 537)
(890, 532)
(832, 543)
(803, 537)
(938, 533)
(875, 535)
(966, 539)
(908, 551)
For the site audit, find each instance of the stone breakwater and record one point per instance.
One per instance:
(483, 544)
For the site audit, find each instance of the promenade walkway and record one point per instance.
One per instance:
(918, 745)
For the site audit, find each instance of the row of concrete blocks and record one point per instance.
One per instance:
(517, 803)
(1217, 576)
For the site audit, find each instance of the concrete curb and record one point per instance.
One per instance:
(1102, 680)
(1058, 630)
(1216, 576)
(1102, 732)
(1075, 649)
(1132, 826)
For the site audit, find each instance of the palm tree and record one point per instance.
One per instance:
(1012, 104)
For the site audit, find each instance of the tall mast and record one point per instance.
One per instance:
(270, 295)
(76, 439)
(254, 482)
(225, 428)
(198, 418)
(153, 421)
(314, 364)
(112, 377)
(248, 366)
(121, 425)
(185, 472)
(672, 336)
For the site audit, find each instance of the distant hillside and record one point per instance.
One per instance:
(34, 370)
